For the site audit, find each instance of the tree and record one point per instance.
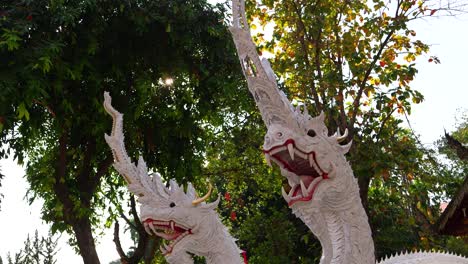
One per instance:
(170, 67)
(39, 250)
(457, 142)
(49, 251)
(15, 260)
(452, 149)
(32, 250)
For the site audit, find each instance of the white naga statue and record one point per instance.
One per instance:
(324, 193)
(187, 222)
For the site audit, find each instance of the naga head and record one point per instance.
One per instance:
(177, 216)
(305, 154)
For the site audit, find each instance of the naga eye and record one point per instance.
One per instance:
(279, 134)
(311, 133)
(172, 204)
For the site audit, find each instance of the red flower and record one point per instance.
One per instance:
(382, 63)
(29, 18)
(233, 216)
(227, 196)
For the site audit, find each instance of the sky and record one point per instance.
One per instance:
(444, 87)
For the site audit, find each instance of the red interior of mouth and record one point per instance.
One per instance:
(168, 230)
(166, 225)
(307, 181)
(300, 166)
(298, 196)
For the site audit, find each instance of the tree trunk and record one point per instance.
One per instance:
(363, 182)
(150, 251)
(85, 240)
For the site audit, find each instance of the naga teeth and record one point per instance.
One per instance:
(313, 164)
(276, 150)
(148, 230)
(291, 150)
(168, 248)
(304, 190)
(163, 251)
(151, 226)
(285, 195)
(300, 154)
(268, 159)
(172, 225)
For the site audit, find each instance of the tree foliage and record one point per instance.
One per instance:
(57, 60)
(457, 141)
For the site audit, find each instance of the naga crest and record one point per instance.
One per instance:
(295, 141)
(177, 216)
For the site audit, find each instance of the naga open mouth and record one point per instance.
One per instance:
(302, 164)
(168, 230)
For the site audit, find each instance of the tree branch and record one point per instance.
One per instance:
(118, 245)
(318, 50)
(84, 175)
(462, 151)
(104, 166)
(60, 188)
(339, 64)
(383, 123)
(128, 221)
(139, 226)
(102, 169)
(49, 109)
(143, 237)
(362, 86)
(301, 27)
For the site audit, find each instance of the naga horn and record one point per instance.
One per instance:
(343, 137)
(202, 199)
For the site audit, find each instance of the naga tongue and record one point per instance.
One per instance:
(306, 179)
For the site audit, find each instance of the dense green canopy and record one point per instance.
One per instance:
(57, 60)
(171, 68)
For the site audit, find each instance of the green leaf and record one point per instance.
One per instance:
(11, 39)
(23, 112)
